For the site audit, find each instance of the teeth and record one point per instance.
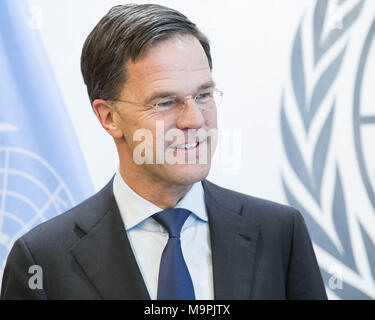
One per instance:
(187, 146)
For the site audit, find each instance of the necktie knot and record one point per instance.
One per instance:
(172, 220)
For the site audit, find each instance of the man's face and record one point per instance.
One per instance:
(175, 67)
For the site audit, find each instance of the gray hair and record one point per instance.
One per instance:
(125, 33)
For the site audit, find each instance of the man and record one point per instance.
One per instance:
(159, 230)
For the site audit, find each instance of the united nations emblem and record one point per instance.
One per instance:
(328, 128)
(364, 115)
(31, 192)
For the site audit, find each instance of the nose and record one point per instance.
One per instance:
(191, 116)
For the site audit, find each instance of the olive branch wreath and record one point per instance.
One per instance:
(310, 176)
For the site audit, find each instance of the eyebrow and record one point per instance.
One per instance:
(164, 94)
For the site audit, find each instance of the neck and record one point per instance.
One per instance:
(161, 195)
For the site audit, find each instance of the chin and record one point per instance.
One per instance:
(190, 174)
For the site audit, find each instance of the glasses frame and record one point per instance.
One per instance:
(181, 102)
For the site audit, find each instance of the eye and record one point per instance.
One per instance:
(203, 96)
(166, 103)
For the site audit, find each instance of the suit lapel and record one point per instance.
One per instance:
(105, 254)
(106, 257)
(234, 238)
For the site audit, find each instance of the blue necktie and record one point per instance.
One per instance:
(174, 279)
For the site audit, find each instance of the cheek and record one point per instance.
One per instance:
(135, 124)
(150, 129)
(129, 129)
(126, 126)
(211, 118)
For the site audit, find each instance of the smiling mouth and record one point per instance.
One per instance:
(189, 153)
(187, 146)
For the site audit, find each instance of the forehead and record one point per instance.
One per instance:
(179, 63)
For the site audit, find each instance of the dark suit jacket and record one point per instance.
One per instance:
(260, 250)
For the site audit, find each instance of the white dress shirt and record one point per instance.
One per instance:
(148, 238)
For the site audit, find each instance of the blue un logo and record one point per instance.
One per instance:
(31, 192)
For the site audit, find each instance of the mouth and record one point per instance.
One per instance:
(190, 153)
(187, 146)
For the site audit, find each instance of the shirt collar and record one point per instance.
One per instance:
(134, 209)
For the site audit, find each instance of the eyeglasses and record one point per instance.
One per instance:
(204, 99)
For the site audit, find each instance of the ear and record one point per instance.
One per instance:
(106, 115)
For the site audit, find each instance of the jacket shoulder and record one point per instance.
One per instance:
(64, 228)
(262, 208)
